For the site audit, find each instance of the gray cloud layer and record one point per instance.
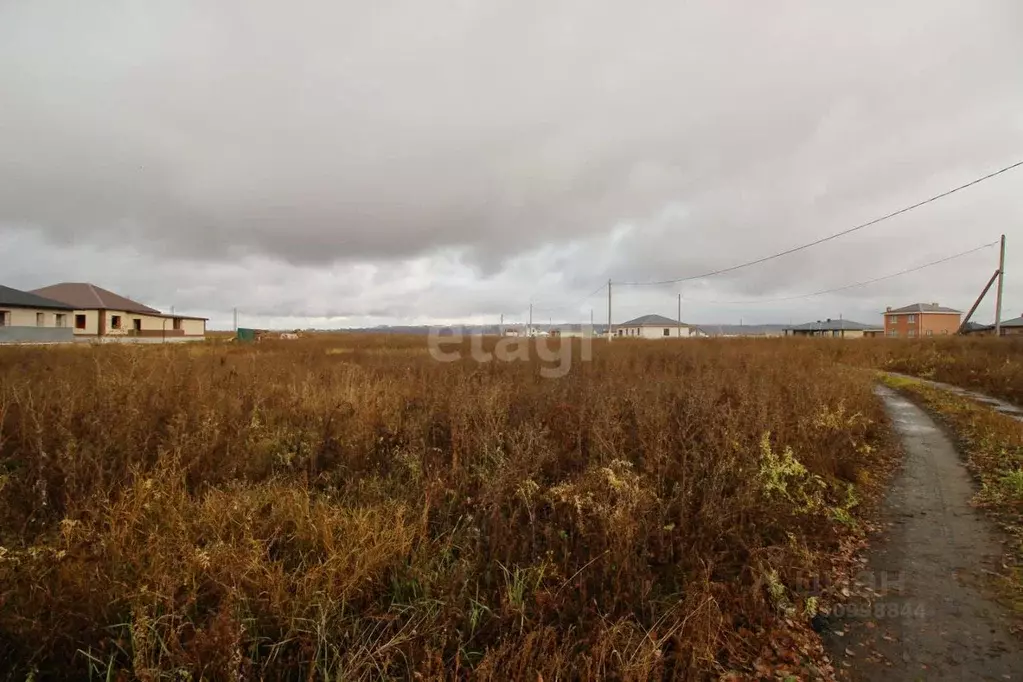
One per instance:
(408, 160)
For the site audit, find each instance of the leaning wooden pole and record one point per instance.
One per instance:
(966, 320)
(998, 292)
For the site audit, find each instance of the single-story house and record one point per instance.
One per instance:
(843, 329)
(1013, 327)
(579, 331)
(978, 329)
(742, 330)
(655, 327)
(28, 318)
(102, 315)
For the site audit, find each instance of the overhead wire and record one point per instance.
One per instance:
(855, 284)
(572, 305)
(805, 246)
(828, 238)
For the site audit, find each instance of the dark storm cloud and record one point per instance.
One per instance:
(416, 160)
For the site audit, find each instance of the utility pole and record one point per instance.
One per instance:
(680, 315)
(609, 334)
(500, 329)
(998, 292)
(529, 329)
(236, 320)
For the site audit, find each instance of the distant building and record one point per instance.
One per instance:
(653, 327)
(579, 331)
(102, 315)
(921, 319)
(28, 318)
(1013, 327)
(843, 329)
(741, 330)
(978, 329)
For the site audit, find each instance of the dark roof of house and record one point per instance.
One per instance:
(651, 321)
(84, 296)
(924, 308)
(833, 325)
(15, 298)
(1014, 322)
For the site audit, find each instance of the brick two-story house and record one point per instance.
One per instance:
(921, 319)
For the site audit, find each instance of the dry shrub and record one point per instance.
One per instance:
(285, 512)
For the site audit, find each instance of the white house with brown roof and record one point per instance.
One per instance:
(655, 327)
(102, 315)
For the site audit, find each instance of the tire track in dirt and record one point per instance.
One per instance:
(928, 616)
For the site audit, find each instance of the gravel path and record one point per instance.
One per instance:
(931, 616)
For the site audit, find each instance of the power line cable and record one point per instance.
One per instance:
(808, 245)
(573, 305)
(854, 285)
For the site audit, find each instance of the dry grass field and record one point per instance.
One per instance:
(989, 365)
(346, 508)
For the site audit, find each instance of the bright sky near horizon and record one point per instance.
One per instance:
(399, 162)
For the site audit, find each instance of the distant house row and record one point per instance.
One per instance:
(77, 311)
(911, 321)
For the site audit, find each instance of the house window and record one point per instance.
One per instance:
(912, 333)
(79, 321)
(60, 319)
(911, 319)
(115, 321)
(40, 319)
(137, 324)
(930, 332)
(892, 333)
(177, 323)
(5, 318)
(891, 319)
(667, 332)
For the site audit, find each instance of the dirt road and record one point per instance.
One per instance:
(932, 617)
(995, 404)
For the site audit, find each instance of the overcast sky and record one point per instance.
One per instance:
(353, 163)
